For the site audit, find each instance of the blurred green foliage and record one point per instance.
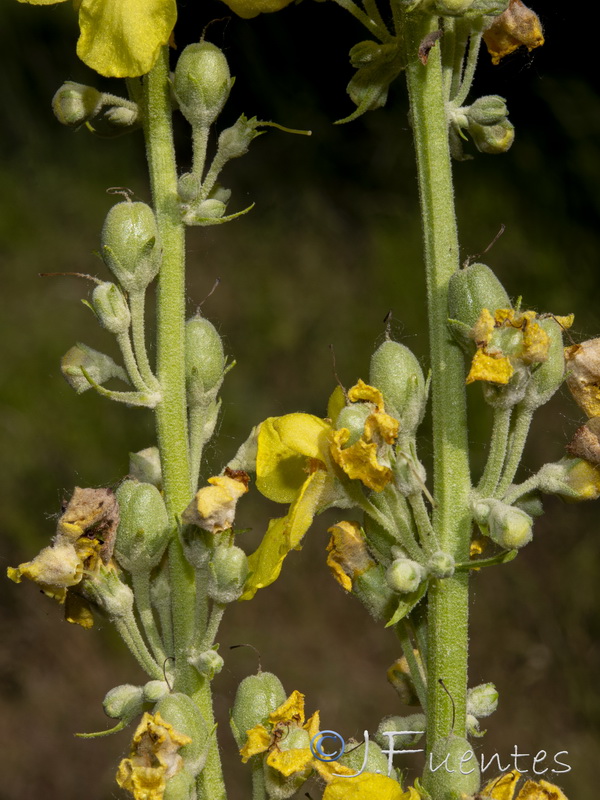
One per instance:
(332, 245)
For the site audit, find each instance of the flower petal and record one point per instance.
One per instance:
(367, 786)
(290, 709)
(485, 367)
(290, 762)
(259, 740)
(359, 461)
(122, 38)
(502, 787)
(252, 8)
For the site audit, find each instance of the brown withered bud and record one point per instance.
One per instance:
(586, 442)
(93, 513)
(518, 26)
(583, 375)
(399, 676)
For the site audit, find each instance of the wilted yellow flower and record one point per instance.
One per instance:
(213, 507)
(504, 787)
(583, 375)
(348, 555)
(154, 758)
(121, 38)
(368, 786)
(518, 26)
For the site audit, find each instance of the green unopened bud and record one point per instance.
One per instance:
(470, 291)
(509, 527)
(109, 593)
(453, 755)
(144, 466)
(441, 565)
(365, 53)
(235, 141)
(209, 209)
(208, 662)
(180, 711)
(374, 592)
(547, 377)
(482, 700)
(111, 308)
(81, 360)
(124, 702)
(129, 245)
(204, 360)
(353, 418)
(155, 691)
(488, 110)
(144, 528)
(189, 187)
(368, 88)
(73, 104)
(493, 139)
(202, 83)
(396, 372)
(404, 575)
(182, 786)
(573, 479)
(394, 732)
(257, 696)
(121, 116)
(228, 572)
(354, 757)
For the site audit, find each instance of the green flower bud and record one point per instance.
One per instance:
(547, 377)
(396, 372)
(353, 418)
(509, 527)
(124, 702)
(367, 52)
(368, 88)
(257, 696)
(155, 690)
(82, 359)
(197, 545)
(482, 700)
(129, 245)
(204, 360)
(228, 572)
(209, 209)
(121, 116)
(375, 593)
(183, 714)
(108, 592)
(73, 104)
(452, 755)
(182, 786)
(441, 565)
(208, 662)
(400, 725)
(202, 83)
(470, 291)
(531, 504)
(189, 187)
(354, 757)
(144, 528)
(404, 575)
(235, 141)
(144, 466)
(493, 139)
(111, 308)
(573, 479)
(488, 110)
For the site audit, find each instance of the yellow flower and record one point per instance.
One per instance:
(504, 787)
(348, 555)
(517, 27)
(252, 8)
(121, 38)
(368, 786)
(506, 340)
(154, 758)
(286, 738)
(213, 507)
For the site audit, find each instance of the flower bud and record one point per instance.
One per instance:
(124, 702)
(509, 527)
(155, 691)
(82, 359)
(482, 700)
(549, 375)
(144, 528)
(368, 88)
(235, 141)
(396, 372)
(570, 478)
(202, 83)
(452, 8)
(456, 755)
(353, 417)
(585, 443)
(182, 786)
(129, 245)
(73, 104)
(228, 570)
(111, 308)
(180, 711)
(208, 663)
(493, 139)
(441, 565)
(256, 697)
(470, 291)
(189, 187)
(400, 725)
(375, 593)
(488, 110)
(204, 359)
(108, 592)
(354, 757)
(365, 53)
(404, 575)
(144, 466)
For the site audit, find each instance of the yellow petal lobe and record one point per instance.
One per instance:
(362, 391)
(367, 786)
(359, 461)
(290, 762)
(259, 740)
(290, 709)
(503, 787)
(485, 367)
(246, 9)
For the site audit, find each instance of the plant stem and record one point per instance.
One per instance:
(141, 590)
(516, 445)
(137, 301)
(128, 630)
(171, 416)
(497, 454)
(448, 598)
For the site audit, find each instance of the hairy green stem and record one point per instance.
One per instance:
(426, 532)
(415, 666)
(137, 302)
(497, 454)
(448, 598)
(128, 630)
(130, 363)
(140, 581)
(516, 445)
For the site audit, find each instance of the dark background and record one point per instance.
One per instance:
(332, 245)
